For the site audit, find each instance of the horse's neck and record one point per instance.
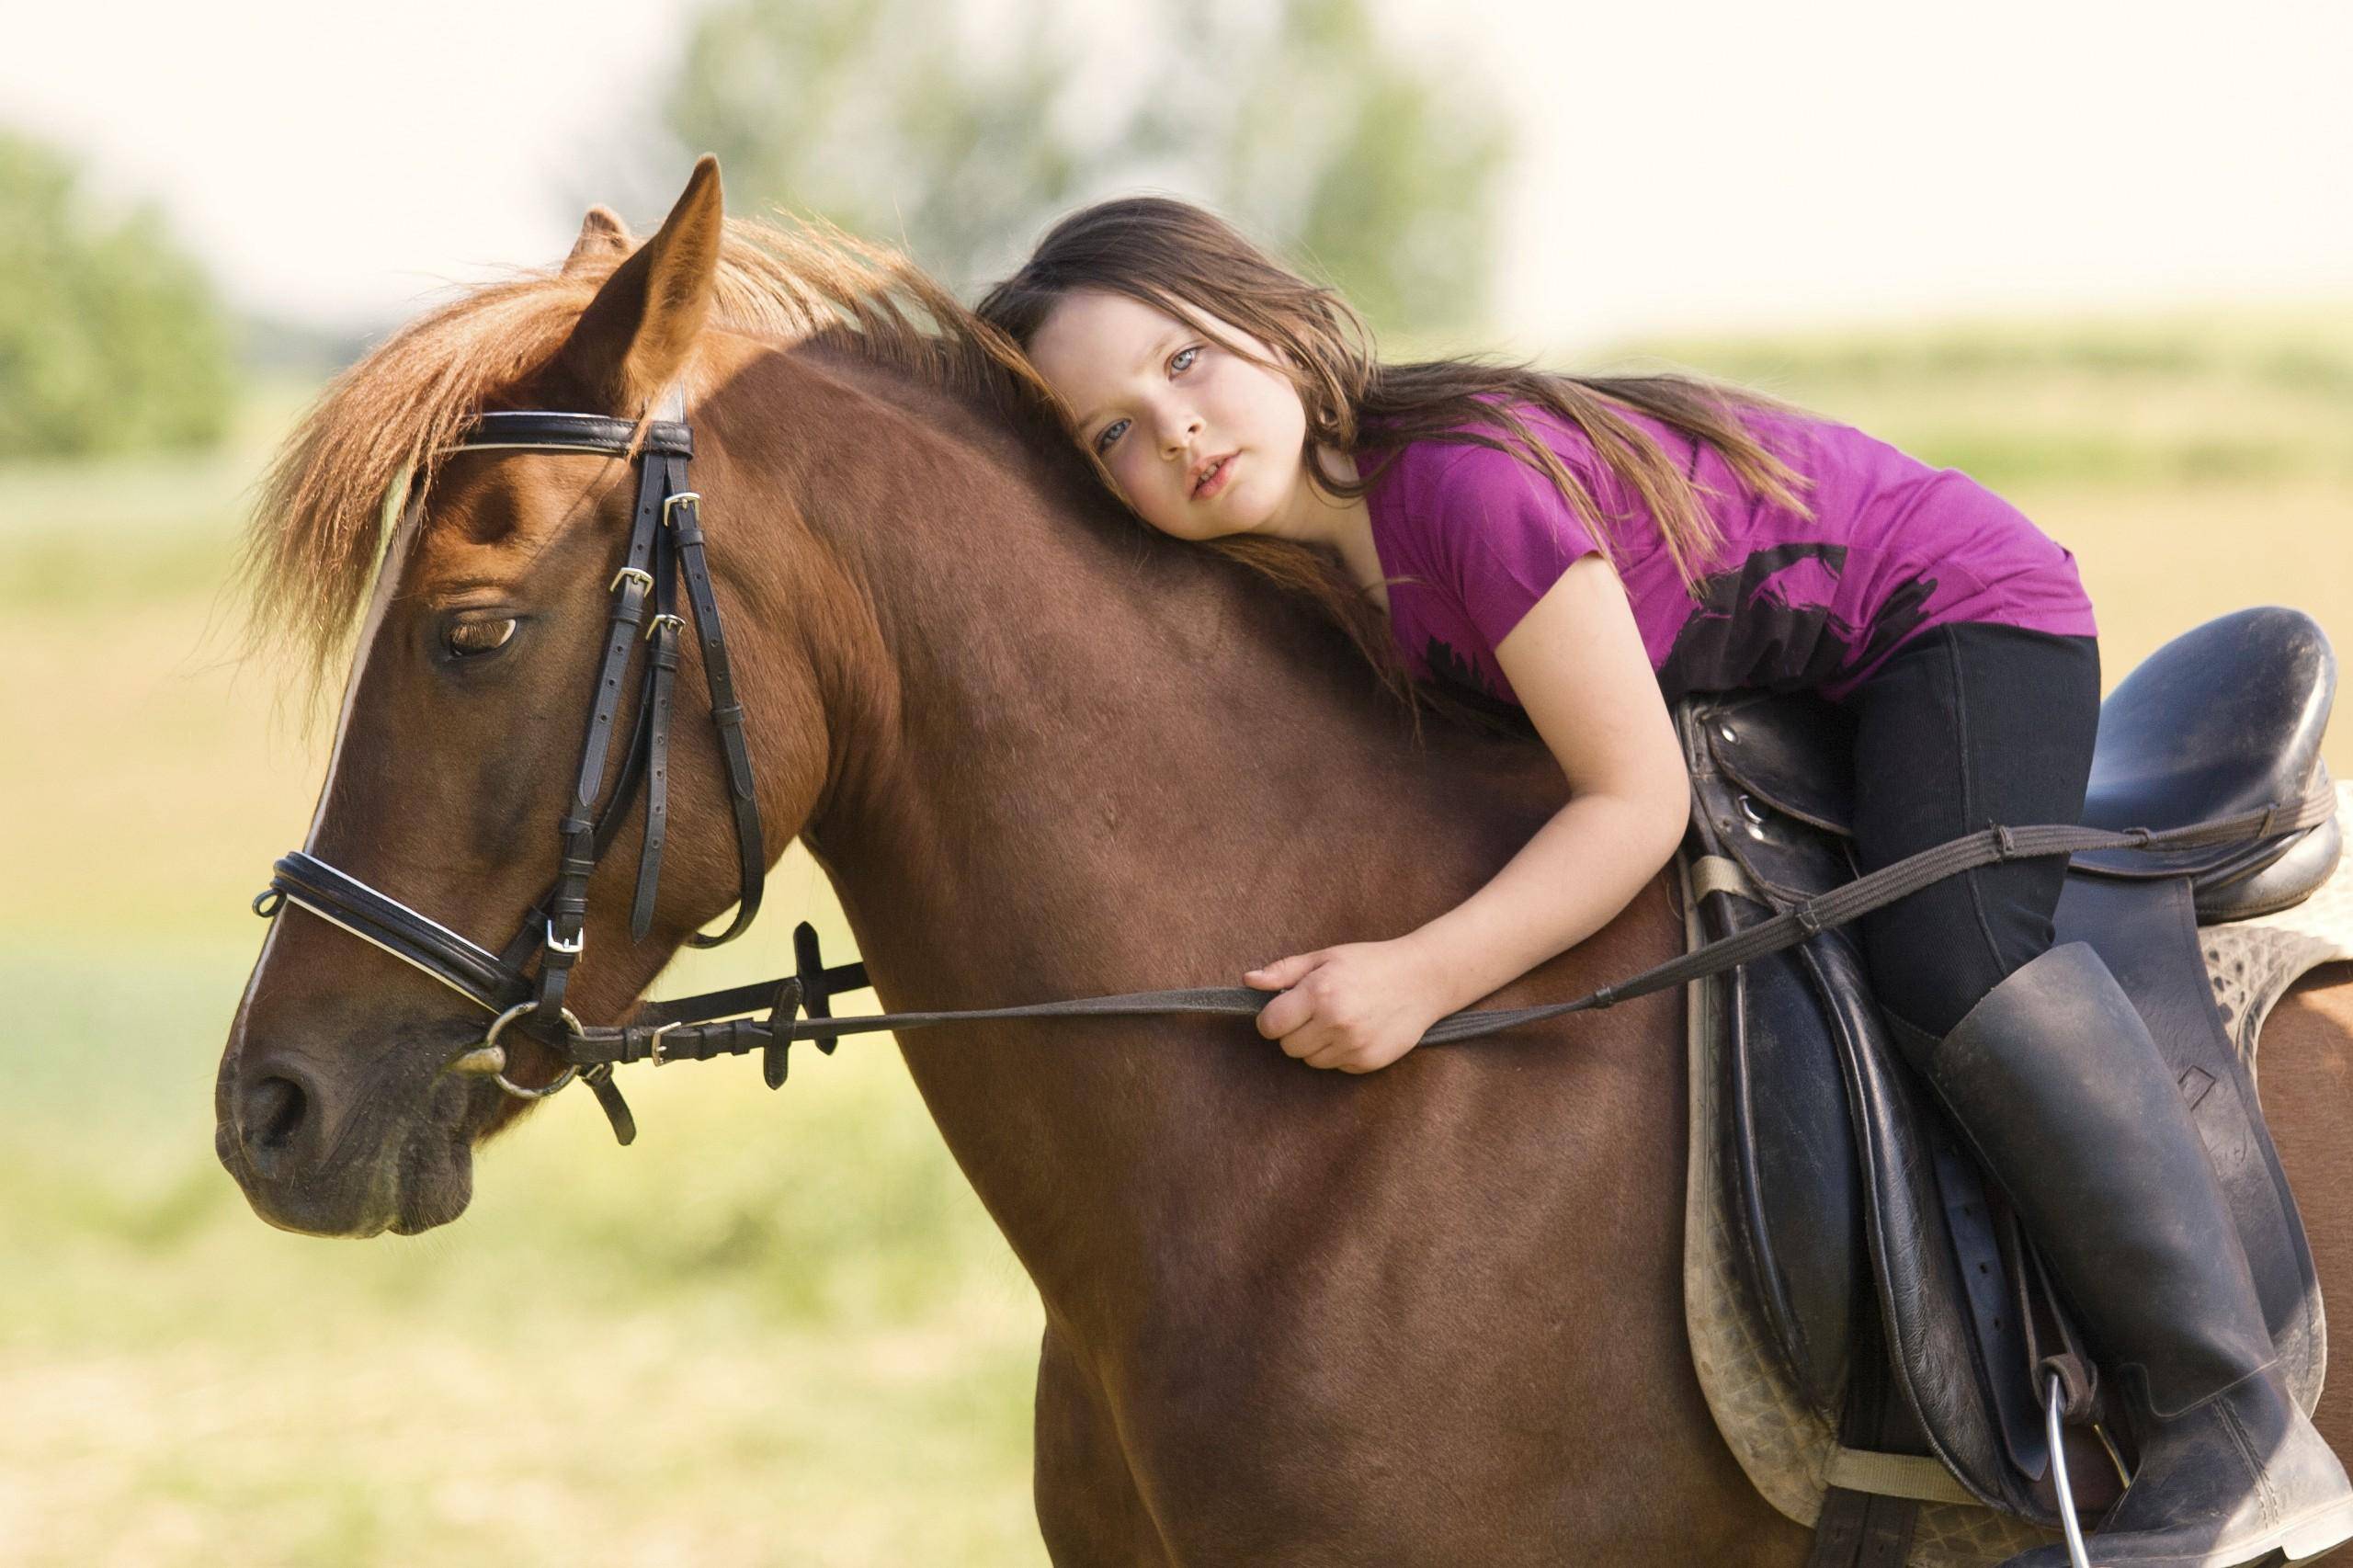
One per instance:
(1089, 761)
(1096, 731)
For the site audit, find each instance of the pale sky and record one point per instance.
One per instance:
(1686, 165)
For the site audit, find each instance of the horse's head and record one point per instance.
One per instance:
(350, 1094)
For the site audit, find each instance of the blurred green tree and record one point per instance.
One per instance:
(959, 134)
(111, 338)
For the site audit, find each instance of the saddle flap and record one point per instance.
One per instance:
(1871, 1164)
(1794, 1193)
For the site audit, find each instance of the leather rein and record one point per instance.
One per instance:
(665, 545)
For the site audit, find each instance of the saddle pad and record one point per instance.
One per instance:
(1788, 1449)
(2253, 962)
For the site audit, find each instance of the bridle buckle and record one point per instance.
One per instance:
(558, 944)
(645, 578)
(658, 1058)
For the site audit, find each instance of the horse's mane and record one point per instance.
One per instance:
(313, 542)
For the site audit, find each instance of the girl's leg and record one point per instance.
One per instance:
(2050, 1073)
(1965, 726)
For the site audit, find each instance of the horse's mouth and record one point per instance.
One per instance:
(355, 1212)
(419, 1176)
(424, 1205)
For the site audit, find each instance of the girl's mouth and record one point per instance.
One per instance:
(1214, 480)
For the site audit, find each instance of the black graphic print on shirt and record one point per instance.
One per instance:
(1745, 631)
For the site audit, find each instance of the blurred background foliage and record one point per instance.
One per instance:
(913, 122)
(779, 1329)
(112, 339)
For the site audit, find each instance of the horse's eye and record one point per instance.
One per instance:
(467, 637)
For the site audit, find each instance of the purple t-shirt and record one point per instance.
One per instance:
(1894, 548)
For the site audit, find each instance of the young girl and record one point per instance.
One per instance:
(1574, 552)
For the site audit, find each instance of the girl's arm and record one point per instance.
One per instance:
(1577, 661)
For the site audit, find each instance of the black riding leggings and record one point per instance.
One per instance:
(1968, 724)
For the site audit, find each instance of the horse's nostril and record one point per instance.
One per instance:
(273, 1114)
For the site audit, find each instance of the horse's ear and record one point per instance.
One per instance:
(602, 234)
(634, 338)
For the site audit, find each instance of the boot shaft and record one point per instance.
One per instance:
(2070, 1105)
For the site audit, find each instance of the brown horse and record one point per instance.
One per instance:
(1427, 1315)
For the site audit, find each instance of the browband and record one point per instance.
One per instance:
(540, 431)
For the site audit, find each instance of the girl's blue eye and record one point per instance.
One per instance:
(1106, 437)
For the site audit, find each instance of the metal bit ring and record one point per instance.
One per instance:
(489, 1058)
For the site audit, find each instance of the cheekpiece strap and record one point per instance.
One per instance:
(632, 589)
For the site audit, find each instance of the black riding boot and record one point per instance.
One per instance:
(2056, 1083)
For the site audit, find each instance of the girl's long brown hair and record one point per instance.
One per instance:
(1170, 254)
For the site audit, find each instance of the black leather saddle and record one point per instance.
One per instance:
(1860, 1218)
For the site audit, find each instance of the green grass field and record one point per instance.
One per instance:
(778, 1329)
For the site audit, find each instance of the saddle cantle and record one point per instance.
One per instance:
(1830, 1167)
(2225, 718)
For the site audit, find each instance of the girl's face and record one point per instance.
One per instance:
(1160, 403)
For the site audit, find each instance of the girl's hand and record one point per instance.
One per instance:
(1357, 1007)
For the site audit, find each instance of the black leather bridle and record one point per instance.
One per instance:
(665, 544)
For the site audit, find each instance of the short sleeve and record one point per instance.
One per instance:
(1504, 534)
